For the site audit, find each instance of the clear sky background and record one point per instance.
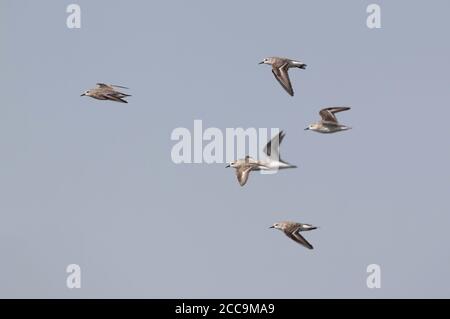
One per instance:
(92, 182)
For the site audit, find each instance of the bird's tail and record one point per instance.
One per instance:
(299, 64)
(288, 165)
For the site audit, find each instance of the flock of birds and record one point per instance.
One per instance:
(243, 167)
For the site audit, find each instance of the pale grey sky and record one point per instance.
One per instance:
(92, 182)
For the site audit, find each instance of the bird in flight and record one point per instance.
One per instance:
(329, 122)
(293, 229)
(273, 161)
(107, 92)
(280, 68)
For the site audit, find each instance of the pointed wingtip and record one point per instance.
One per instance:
(120, 86)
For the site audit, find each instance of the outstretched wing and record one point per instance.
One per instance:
(282, 76)
(114, 97)
(328, 114)
(295, 236)
(104, 86)
(119, 86)
(272, 149)
(110, 86)
(242, 174)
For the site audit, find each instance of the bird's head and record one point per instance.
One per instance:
(312, 127)
(277, 226)
(267, 61)
(87, 93)
(231, 164)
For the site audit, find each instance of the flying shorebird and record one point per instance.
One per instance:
(107, 92)
(293, 229)
(280, 67)
(273, 162)
(329, 122)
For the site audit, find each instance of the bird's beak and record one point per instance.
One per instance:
(307, 129)
(271, 227)
(262, 62)
(83, 94)
(227, 166)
